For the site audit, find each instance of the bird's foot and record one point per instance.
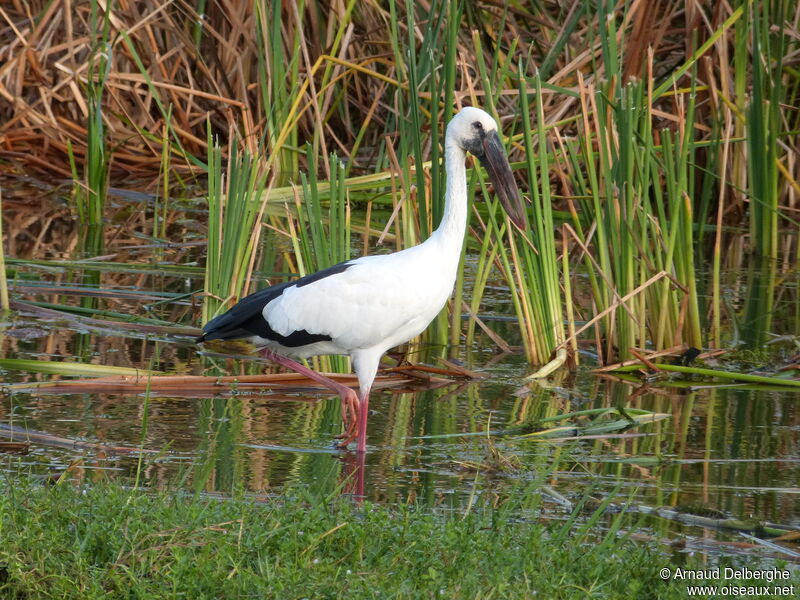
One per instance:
(346, 438)
(350, 408)
(349, 433)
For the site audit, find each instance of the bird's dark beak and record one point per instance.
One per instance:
(495, 161)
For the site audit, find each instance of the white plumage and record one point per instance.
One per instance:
(365, 306)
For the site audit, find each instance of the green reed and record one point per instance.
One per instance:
(637, 216)
(763, 126)
(529, 259)
(162, 199)
(236, 204)
(323, 233)
(4, 303)
(90, 196)
(278, 77)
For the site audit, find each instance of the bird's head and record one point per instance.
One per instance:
(473, 130)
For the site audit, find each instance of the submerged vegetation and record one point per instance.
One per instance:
(649, 140)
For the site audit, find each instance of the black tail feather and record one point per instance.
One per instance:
(245, 319)
(241, 321)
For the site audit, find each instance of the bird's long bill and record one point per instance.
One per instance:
(495, 161)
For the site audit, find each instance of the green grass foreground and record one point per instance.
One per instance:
(110, 542)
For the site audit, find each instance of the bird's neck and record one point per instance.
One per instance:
(454, 220)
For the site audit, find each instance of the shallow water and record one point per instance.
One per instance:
(727, 449)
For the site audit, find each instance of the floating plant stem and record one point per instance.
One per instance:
(745, 377)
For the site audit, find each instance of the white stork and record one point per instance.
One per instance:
(365, 306)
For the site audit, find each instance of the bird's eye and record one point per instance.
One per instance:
(477, 125)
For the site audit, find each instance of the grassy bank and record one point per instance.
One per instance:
(111, 542)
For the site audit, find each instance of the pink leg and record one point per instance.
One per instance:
(350, 404)
(363, 411)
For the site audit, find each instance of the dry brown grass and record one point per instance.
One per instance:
(45, 49)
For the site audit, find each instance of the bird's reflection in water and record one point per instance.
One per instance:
(352, 476)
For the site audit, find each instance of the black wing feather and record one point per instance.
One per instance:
(245, 318)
